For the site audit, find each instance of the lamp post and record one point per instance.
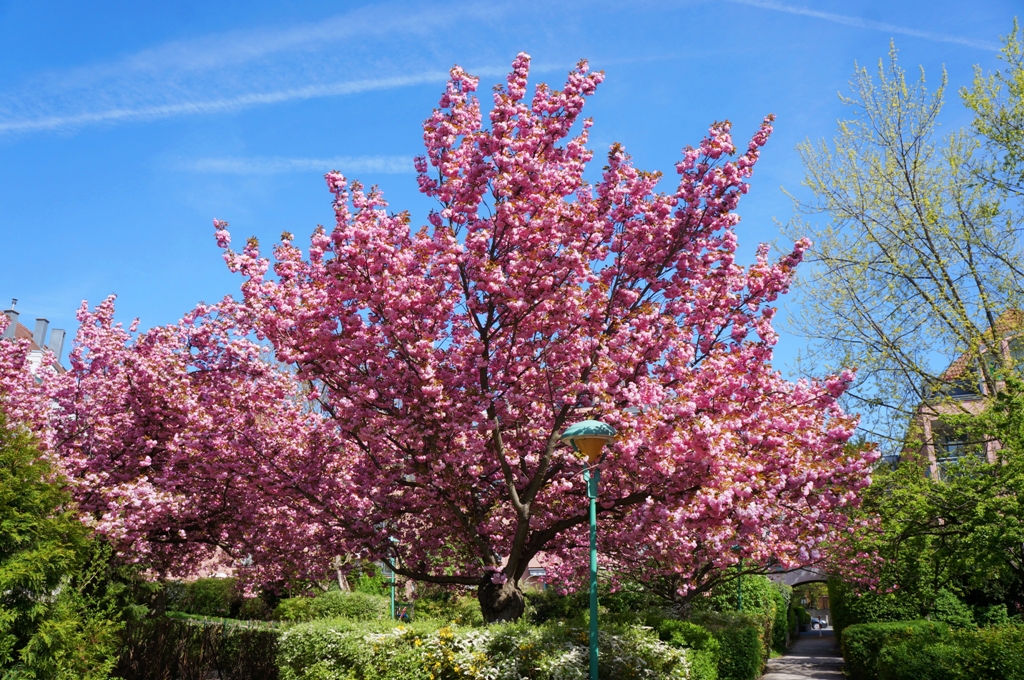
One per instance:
(588, 439)
(739, 578)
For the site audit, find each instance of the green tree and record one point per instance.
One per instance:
(62, 596)
(918, 260)
(963, 536)
(997, 100)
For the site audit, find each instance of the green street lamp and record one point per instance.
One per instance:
(588, 439)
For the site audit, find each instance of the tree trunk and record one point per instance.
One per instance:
(500, 603)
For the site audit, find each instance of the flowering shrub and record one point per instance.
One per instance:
(339, 650)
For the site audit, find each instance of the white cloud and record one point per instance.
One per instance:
(391, 165)
(857, 22)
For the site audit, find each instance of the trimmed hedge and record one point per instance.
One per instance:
(783, 595)
(705, 648)
(341, 650)
(357, 606)
(163, 648)
(742, 646)
(994, 653)
(862, 643)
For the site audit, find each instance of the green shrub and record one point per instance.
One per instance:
(991, 615)
(343, 650)
(849, 607)
(356, 606)
(219, 597)
(912, 660)
(792, 622)
(63, 596)
(759, 605)
(463, 610)
(801, 615)
(741, 643)
(862, 643)
(549, 605)
(993, 653)
(950, 609)
(686, 634)
(783, 595)
(371, 583)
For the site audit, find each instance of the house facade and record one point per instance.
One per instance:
(39, 343)
(964, 390)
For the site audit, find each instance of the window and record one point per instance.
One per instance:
(951, 448)
(1017, 353)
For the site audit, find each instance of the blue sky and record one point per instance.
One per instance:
(126, 127)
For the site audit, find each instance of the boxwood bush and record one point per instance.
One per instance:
(862, 643)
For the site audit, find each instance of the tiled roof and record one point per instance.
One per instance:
(1009, 321)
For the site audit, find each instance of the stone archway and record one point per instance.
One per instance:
(799, 576)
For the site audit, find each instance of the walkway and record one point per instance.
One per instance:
(810, 657)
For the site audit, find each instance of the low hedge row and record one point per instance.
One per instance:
(167, 648)
(342, 650)
(743, 647)
(993, 653)
(862, 643)
(334, 604)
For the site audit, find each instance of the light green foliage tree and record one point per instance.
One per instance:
(62, 598)
(918, 258)
(997, 100)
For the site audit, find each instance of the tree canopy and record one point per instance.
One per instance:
(420, 379)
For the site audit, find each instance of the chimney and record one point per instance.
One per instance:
(39, 335)
(57, 343)
(12, 316)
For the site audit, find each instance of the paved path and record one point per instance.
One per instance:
(810, 657)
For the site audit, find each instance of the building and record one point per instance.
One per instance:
(963, 389)
(38, 341)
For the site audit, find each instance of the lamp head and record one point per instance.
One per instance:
(588, 438)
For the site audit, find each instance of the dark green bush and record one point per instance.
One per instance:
(548, 605)
(863, 642)
(356, 606)
(991, 615)
(741, 643)
(164, 647)
(801, 615)
(950, 609)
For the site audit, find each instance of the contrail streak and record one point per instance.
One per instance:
(857, 22)
(392, 165)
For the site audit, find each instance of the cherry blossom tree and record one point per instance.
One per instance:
(444, 363)
(172, 439)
